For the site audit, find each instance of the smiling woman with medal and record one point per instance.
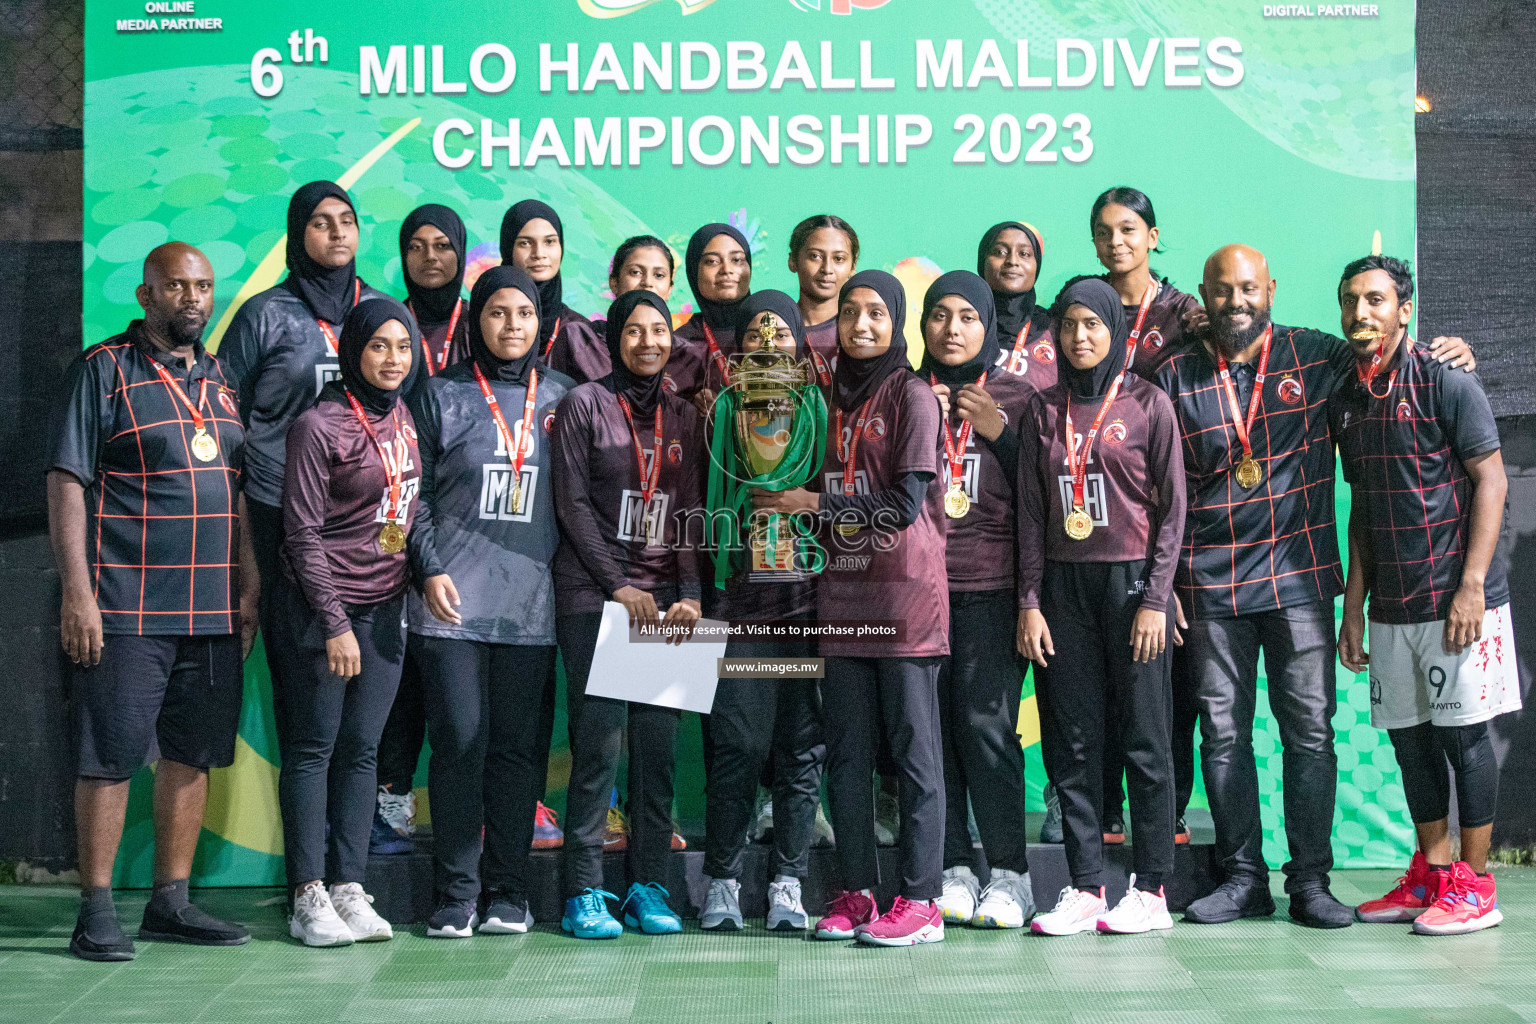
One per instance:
(349, 490)
(979, 682)
(1097, 549)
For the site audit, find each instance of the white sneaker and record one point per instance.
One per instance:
(887, 819)
(722, 906)
(398, 812)
(1077, 910)
(957, 903)
(1137, 912)
(762, 831)
(355, 908)
(1006, 902)
(823, 837)
(315, 922)
(785, 911)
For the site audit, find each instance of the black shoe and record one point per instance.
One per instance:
(1314, 906)
(453, 919)
(190, 925)
(504, 913)
(103, 940)
(1051, 830)
(1236, 898)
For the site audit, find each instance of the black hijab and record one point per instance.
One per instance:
(493, 280)
(781, 305)
(365, 318)
(433, 305)
(855, 379)
(974, 290)
(642, 393)
(327, 291)
(551, 293)
(1098, 296)
(1014, 309)
(719, 315)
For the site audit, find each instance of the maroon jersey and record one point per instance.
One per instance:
(577, 349)
(821, 343)
(980, 546)
(889, 577)
(1030, 355)
(440, 350)
(611, 537)
(1163, 333)
(1134, 487)
(690, 365)
(335, 496)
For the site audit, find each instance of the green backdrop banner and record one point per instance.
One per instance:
(920, 121)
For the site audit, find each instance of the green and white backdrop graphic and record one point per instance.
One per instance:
(920, 121)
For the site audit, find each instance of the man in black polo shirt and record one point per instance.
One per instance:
(1259, 571)
(144, 512)
(1421, 454)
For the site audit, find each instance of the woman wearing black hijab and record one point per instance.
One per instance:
(432, 254)
(349, 501)
(1097, 550)
(979, 682)
(483, 628)
(763, 722)
(719, 268)
(1009, 259)
(280, 349)
(882, 498)
(533, 238)
(629, 465)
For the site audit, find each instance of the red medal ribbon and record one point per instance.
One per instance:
(1079, 470)
(722, 367)
(442, 361)
(850, 459)
(552, 336)
(1141, 318)
(1244, 427)
(823, 371)
(1019, 357)
(954, 446)
(647, 480)
(325, 328)
(516, 447)
(395, 476)
(175, 389)
(1367, 373)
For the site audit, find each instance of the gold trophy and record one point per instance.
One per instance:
(767, 381)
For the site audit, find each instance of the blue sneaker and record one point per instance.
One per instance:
(384, 841)
(646, 908)
(587, 917)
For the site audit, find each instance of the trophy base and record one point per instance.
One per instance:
(777, 576)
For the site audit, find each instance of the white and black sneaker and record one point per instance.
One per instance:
(785, 911)
(504, 914)
(453, 919)
(315, 921)
(722, 907)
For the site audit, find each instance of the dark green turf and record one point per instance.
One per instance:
(1245, 973)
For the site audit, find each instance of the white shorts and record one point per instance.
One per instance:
(1414, 681)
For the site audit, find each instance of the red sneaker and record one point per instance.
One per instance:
(1409, 898)
(847, 915)
(1468, 902)
(907, 923)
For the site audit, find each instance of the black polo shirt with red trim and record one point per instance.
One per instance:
(1275, 545)
(162, 525)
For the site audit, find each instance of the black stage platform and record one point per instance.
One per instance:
(403, 892)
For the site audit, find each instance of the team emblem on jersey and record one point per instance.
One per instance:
(1289, 390)
(675, 453)
(227, 400)
(874, 430)
(1115, 432)
(1153, 340)
(668, 384)
(409, 432)
(1001, 412)
(549, 421)
(1045, 352)
(1404, 411)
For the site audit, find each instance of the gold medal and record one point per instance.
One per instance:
(392, 539)
(1079, 524)
(517, 498)
(956, 503)
(846, 529)
(204, 447)
(1248, 473)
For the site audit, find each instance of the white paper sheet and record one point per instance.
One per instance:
(679, 676)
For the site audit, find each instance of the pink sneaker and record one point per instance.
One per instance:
(847, 914)
(1467, 902)
(907, 923)
(1413, 894)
